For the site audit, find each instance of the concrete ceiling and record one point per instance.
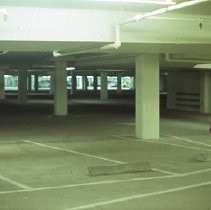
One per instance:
(40, 53)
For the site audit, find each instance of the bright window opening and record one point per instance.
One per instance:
(90, 83)
(44, 82)
(69, 82)
(79, 83)
(112, 83)
(11, 82)
(127, 83)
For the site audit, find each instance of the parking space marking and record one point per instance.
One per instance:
(109, 182)
(92, 156)
(138, 196)
(74, 152)
(164, 171)
(161, 142)
(17, 184)
(181, 145)
(188, 140)
(85, 184)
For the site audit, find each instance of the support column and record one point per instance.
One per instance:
(22, 86)
(147, 96)
(36, 83)
(95, 83)
(119, 83)
(29, 83)
(104, 88)
(52, 83)
(85, 83)
(73, 85)
(60, 92)
(2, 91)
(205, 93)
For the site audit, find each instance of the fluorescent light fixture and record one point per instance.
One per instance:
(70, 68)
(206, 66)
(161, 2)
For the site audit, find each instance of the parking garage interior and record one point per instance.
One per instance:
(101, 84)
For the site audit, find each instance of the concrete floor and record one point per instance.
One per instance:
(44, 159)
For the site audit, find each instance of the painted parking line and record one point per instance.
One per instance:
(73, 152)
(138, 196)
(164, 171)
(91, 156)
(17, 184)
(116, 181)
(188, 140)
(86, 184)
(161, 142)
(181, 145)
(154, 169)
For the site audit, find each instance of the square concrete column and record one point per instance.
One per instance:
(36, 83)
(52, 83)
(104, 84)
(119, 83)
(60, 92)
(22, 86)
(147, 96)
(29, 82)
(205, 92)
(95, 83)
(73, 84)
(85, 82)
(2, 90)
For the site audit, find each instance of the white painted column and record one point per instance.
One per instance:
(147, 96)
(104, 84)
(205, 93)
(60, 91)
(2, 91)
(22, 86)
